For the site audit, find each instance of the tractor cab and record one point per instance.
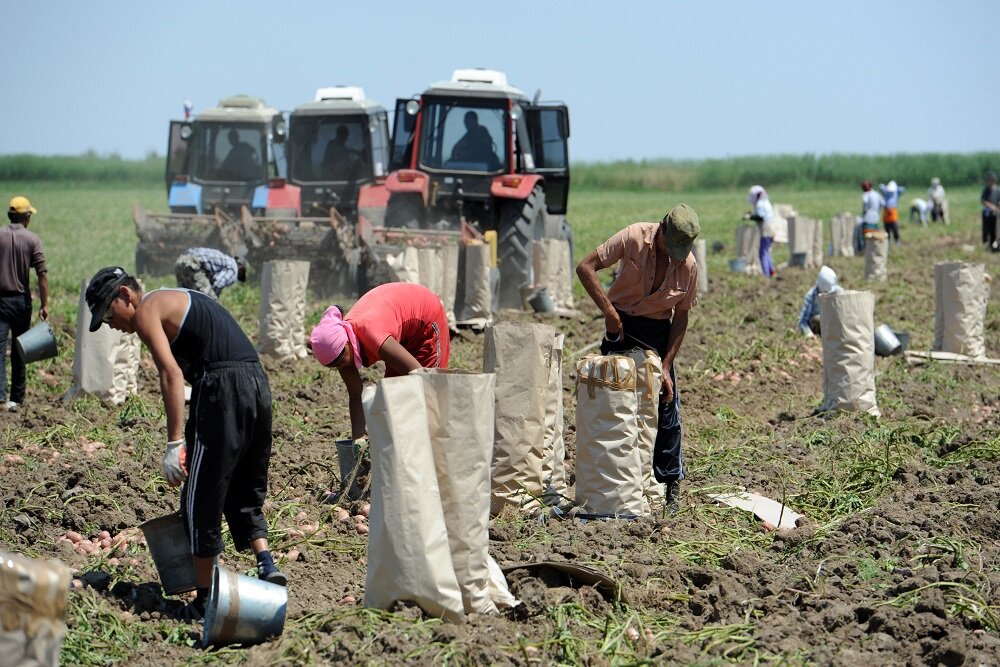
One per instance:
(338, 143)
(224, 156)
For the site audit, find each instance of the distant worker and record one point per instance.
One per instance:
(826, 283)
(20, 251)
(241, 162)
(647, 307)
(223, 452)
(476, 145)
(890, 208)
(762, 213)
(871, 207)
(920, 211)
(208, 270)
(402, 324)
(990, 199)
(938, 201)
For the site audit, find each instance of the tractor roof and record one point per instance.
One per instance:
(239, 108)
(476, 82)
(339, 101)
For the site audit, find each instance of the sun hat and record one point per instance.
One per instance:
(680, 229)
(755, 193)
(329, 338)
(101, 291)
(20, 204)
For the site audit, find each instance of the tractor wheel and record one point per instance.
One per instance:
(521, 222)
(405, 211)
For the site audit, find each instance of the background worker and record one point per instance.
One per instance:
(938, 201)
(826, 283)
(20, 251)
(763, 214)
(647, 307)
(402, 324)
(990, 199)
(208, 270)
(871, 207)
(225, 448)
(890, 209)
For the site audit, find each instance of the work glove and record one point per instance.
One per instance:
(174, 462)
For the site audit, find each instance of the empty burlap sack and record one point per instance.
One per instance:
(283, 285)
(877, 256)
(477, 308)
(648, 379)
(554, 461)
(961, 291)
(105, 362)
(800, 240)
(748, 247)
(409, 555)
(552, 267)
(701, 258)
(33, 597)
(847, 321)
(608, 466)
(842, 234)
(520, 354)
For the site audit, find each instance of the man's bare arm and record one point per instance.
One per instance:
(149, 325)
(586, 271)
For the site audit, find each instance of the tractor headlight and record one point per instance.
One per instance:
(412, 107)
(516, 111)
(186, 132)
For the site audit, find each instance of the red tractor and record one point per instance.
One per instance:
(477, 150)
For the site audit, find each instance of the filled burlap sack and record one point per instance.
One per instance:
(701, 258)
(552, 269)
(33, 599)
(477, 308)
(877, 256)
(748, 247)
(847, 322)
(283, 286)
(842, 234)
(648, 380)
(961, 292)
(554, 461)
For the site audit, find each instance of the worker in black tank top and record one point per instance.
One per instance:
(222, 453)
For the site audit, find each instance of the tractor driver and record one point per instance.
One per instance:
(241, 162)
(339, 162)
(476, 145)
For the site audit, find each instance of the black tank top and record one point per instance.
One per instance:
(208, 334)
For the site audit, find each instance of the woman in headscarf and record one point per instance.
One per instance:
(890, 209)
(763, 213)
(402, 324)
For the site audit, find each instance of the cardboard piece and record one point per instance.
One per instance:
(920, 357)
(764, 508)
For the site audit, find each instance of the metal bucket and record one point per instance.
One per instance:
(171, 550)
(347, 456)
(886, 342)
(541, 301)
(798, 259)
(242, 609)
(37, 343)
(904, 340)
(738, 265)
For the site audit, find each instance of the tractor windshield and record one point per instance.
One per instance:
(456, 136)
(329, 149)
(229, 152)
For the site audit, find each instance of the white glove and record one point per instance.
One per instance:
(173, 462)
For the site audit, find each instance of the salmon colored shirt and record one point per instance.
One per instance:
(411, 314)
(635, 247)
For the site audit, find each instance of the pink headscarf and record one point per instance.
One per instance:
(330, 337)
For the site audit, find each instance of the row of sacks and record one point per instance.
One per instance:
(847, 323)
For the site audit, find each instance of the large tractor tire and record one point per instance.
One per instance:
(405, 211)
(521, 222)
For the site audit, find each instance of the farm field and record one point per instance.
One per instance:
(897, 561)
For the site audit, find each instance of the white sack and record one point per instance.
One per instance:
(554, 462)
(748, 247)
(520, 354)
(405, 264)
(842, 235)
(800, 240)
(961, 291)
(552, 270)
(701, 258)
(283, 286)
(477, 305)
(608, 474)
(816, 256)
(847, 322)
(105, 362)
(648, 380)
(33, 599)
(877, 256)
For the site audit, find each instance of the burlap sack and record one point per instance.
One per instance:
(847, 321)
(283, 287)
(554, 461)
(648, 379)
(961, 291)
(105, 362)
(816, 256)
(405, 264)
(800, 240)
(748, 247)
(477, 306)
(409, 554)
(552, 270)
(842, 234)
(449, 281)
(520, 354)
(877, 256)
(701, 258)
(33, 598)
(608, 466)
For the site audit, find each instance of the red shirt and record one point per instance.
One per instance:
(411, 314)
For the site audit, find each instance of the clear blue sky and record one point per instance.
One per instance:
(642, 79)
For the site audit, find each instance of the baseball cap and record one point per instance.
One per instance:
(102, 289)
(680, 229)
(20, 204)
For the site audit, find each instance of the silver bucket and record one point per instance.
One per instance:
(738, 265)
(171, 550)
(347, 456)
(242, 609)
(886, 342)
(541, 301)
(37, 343)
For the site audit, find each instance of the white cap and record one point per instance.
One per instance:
(891, 187)
(826, 280)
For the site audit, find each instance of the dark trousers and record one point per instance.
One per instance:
(650, 334)
(892, 229)
(228, 435)
(15, 319)
(989, 230)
